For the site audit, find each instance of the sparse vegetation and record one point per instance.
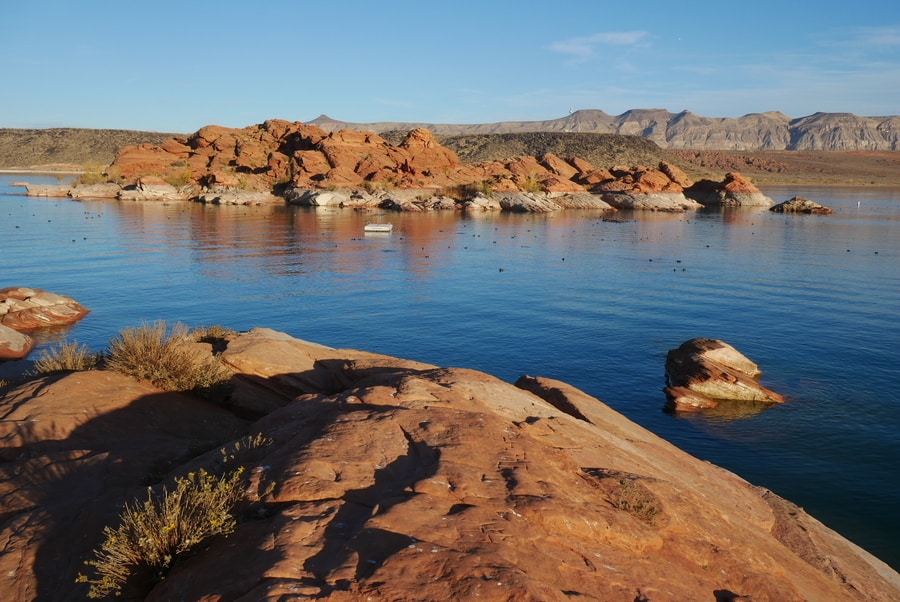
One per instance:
(182, 177)
(152, 535)
(66, 357)
(530, 184)
(632, 497)
(93, 173)
(169, 358)
(464, 192)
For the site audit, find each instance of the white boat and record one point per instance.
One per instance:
(379, 226)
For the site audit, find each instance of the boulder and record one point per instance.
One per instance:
(14, 345)
(29, 309)
(798, 204)
(657, 201)
(526, 202)
(733, 191)
(380, 478)
(702, 372)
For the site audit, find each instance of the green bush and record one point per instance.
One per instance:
(152, 535)
(66, 357)
(168, 358)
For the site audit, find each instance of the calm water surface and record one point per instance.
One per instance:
(814, 300)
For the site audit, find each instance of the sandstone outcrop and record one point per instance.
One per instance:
(24, 310)
(379, 478)
(304, 164)
(14, 345)
(733, 191)
(798, 204)
(702, 372)
(310, 166)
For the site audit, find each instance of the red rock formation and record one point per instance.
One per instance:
(14, 345)
(29, 309)
(259, 157)
(733, 191)
(702, 372)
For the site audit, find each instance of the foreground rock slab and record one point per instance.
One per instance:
(375, 478)
(702, 372)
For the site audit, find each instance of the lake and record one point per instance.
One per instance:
(814, 300)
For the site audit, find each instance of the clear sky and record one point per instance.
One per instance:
(175, 66)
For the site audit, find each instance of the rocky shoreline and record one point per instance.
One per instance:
(277, 162)
(373, 477)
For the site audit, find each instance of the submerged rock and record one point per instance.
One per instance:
(798, 204)
(702, 372)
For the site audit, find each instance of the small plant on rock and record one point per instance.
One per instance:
(632, 497)
(531, 184)
(152, 535)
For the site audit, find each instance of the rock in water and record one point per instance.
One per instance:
(702, 372)
(14, 345)
(733, 191)
(28, 309)
(798, 204)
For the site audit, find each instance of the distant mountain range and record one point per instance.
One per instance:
(685, 130)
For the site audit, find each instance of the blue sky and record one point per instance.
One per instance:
(175, 66)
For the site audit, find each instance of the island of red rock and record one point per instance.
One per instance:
(367, 477)
(279, 161)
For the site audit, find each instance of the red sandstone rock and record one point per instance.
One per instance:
(28, 309)
(14, 345)
(394, 480)
(733, 191)
(715, 370)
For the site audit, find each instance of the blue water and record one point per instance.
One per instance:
(814, 300)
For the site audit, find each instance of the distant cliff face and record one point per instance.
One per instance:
(756, 131)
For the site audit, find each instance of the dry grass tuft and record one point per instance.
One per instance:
(632, 497)
(66, 357)
(152, 535)
(168, 358)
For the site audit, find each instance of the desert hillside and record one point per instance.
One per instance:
(67, 147)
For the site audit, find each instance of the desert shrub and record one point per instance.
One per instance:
(168, 358)
(531, 184)
(152, 535)
(92, 173)
(66, 357)
(464, 192)
(632, 497)
(183, 177)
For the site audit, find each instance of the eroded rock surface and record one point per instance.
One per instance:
(379, 478)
